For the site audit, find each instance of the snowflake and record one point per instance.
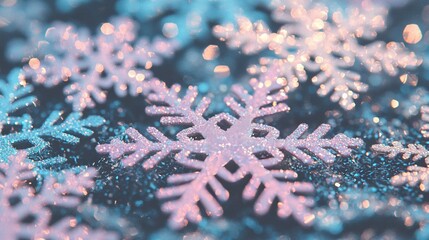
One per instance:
(415, 174)
(314, 41)
(114, 58)
(26, 213)
(191, 19)
(209, 145)
(14, 96)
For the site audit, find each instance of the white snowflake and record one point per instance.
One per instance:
(26, 213)
(415, 174)
(209, 145)
(314, 40)
(115, 58)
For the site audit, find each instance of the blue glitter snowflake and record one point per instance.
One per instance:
(14, 96)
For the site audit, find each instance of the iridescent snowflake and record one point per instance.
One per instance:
(415, 174)
(26, 213)
(115, 58)
(312, 40)
(188, 20)
(15, 97)
(209, 145)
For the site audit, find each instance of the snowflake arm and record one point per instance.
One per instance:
(14, 95)
(412, 151)
(66, 131)
(415, 174)
(317, 145)
(14, 183)
(140, 147)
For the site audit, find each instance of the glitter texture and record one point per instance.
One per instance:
(255, 148)
(415, 175)
(27, 213)
(115, 58)
(314, 40)
(15, 96)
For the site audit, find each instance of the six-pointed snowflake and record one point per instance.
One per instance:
(211, 144)
(314, 41)
(26, 213)
(115, 58)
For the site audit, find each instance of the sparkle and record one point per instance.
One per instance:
(34, 63)
(211, 52)
(412, 34)
(107, 28)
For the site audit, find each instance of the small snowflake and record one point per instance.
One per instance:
(15, 96)
(313, 40)
(26, 213)
(190, 19)
(209, 145)
(415, 174)
(115, 58)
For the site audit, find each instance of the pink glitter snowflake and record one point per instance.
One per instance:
(115, 58)
(313, 40)
(209, 145)
(26, 213)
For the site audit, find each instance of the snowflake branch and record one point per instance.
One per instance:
(15, 177)
(413, 176)
(14, 95)
(178, 110)
(315, 144)
(267, 99)
(191, 189)
(140, 147)
(414, 151)
(286, 192)
(65, 132)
